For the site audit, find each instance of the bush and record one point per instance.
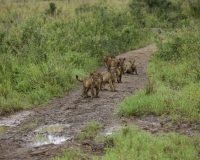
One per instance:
(41, 54)
(194, 6)
(52, 9)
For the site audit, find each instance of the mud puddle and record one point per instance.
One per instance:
(14, 120)
(52, 134)
(111, 130)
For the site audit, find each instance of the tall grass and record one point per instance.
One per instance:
(162, 13)
(44, 44)
(174, 69)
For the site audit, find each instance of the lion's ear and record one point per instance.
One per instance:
(124, 59)
(91, 74)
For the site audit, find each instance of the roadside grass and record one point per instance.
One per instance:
(72, 154)
(90, 131)
(173, 88)
(132, 143)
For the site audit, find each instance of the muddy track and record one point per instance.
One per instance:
(73, 113)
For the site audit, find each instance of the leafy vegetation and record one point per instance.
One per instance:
(162, 13)
(174, 69)
(134, 144)
(89, 131)
(72, 154)
(44, 45)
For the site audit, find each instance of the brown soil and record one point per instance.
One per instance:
(74, 113)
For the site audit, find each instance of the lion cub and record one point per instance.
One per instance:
(121, 64)
(131, 68)
(119, 74)
(110, 62)
(120, 70)
(93, 81)
(109, 77)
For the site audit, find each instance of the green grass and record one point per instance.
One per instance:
(72, 154)
(44, 45)
(174, 74)
(132, 143)
(90, 131)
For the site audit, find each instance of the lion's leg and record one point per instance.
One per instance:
(97, 92)
(132, 71)
(86, 92)
(92, 91)
(111, 85)
(126, 70)
(114, 86)
(100, 88)
(136, 71)
(120, 78)
(103, 86)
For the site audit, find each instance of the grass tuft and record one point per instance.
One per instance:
(89, 131)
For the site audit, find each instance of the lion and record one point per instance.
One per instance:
(131, 68)
(121, 64)
(106, 60)
(93, 81)
(119, 74)
(110, 62)
(109, 77)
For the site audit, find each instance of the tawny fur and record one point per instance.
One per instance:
(131, 68)
(110, 62)
(119, 74)
(108, 77)
(93, 81)
(121, 64)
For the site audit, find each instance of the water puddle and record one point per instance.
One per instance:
(15, 119)
(50, 134)
(41, 139)
(112, 129)
(4, 129)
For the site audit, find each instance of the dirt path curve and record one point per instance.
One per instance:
(73, 112)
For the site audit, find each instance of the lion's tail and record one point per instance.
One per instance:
(78, 79)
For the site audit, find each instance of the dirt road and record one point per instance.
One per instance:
(65, 117)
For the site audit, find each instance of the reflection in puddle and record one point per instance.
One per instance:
(47, 139)
(110, 130)
(3, 129)
(50, 134)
